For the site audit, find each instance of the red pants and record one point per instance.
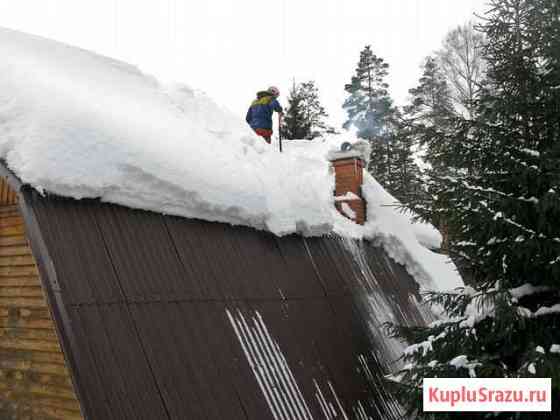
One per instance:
(265, 133)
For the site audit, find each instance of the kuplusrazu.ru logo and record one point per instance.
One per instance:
(487, 394)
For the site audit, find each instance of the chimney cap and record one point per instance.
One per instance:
(360, 149)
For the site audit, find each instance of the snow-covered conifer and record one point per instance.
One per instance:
(504, 203)
(428, 116)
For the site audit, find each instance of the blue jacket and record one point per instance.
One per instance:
(260, 112)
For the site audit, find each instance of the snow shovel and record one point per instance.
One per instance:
(280, 131)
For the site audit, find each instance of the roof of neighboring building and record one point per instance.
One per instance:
(163, 317)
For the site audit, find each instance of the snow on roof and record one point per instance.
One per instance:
(78, 124)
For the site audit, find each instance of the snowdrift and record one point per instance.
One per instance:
(81, 125)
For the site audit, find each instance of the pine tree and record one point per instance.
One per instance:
(506, 207)
(305, 116)
(368, 105)
(370, 111)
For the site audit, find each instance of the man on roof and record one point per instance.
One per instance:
(259, 115)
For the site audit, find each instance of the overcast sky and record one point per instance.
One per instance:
(232, 48)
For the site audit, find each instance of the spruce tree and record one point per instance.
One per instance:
(315, 114)
(404, 182)
(294, 123)
(305, 116)
(429, 114)
(505, 204)
(431, 101)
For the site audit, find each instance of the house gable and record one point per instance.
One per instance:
(34, 379)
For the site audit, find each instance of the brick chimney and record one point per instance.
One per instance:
(348, 169)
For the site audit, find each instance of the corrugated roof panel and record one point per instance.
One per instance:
(250, 254)
(188, 366)
(114, 357)
(300, 279)
(175, 318)
(201, 252)
(172, 360)
(235, 265)
(71, 235)
(143, 255)
(299, 328)
(332, 268)
(231, 360)
(350, 319)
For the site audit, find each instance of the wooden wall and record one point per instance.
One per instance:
(34, 381)
(7, 196)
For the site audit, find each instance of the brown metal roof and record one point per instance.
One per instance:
(168, 318)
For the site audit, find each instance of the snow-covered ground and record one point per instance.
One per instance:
(81, 125)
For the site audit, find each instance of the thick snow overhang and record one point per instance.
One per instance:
(67, 130)
(162, 317)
